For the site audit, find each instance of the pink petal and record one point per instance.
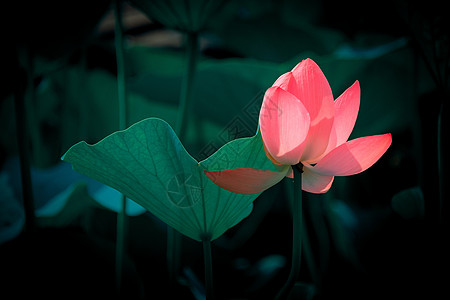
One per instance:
(315, 183)
(313, 90)
(284, 124)
(286, 81)
(270, 157)
(354, 156)
(246, 180)
(346, 109)
(290, 173)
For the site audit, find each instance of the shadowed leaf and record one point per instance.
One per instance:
(148, 164)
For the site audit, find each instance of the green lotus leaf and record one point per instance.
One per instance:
(240, 153)
(148, 163)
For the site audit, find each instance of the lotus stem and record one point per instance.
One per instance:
(173, 254)
(174, 237)
(122, 219)
(443, 160)
(21, 94)
(187, 83)
(297, 220)
(120, 60)
(209, 289)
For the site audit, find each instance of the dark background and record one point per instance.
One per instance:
(379, 234)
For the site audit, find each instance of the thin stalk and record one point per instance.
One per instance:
(442, 161)
(297, 220)
(21, 94)
(187, 84)
(440, 164)
(173, 254)
(309, 257)
(122, 218)
(120, 60)
(121, 241)
(173, 236)
(209, 289)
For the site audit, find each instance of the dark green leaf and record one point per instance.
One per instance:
(149, 165)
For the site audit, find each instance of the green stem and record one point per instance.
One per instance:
(21, 93)
(309, 257)
(296, 233)
(187, 83)
(120, 60)
(443, 163)
(122, 218)
(173, 236)
(440, 164)
(173, 254)
(208, 269)
(38, 155)
(121, 241)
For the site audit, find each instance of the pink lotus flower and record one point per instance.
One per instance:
(301, 123)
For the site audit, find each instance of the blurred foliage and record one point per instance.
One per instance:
(187, 16)
(409, 203)
(51, 30)
(399, 53)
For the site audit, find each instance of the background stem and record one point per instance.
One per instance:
(173, 236)
(120, 60)
(187, 83)
(208, 269)
(443, 163)
(122, 218)
(22, 92)
(296, 234)
(173, 253)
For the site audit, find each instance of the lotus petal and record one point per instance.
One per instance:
(284, 124)
(354, 156)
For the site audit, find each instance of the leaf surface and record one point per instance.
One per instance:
(148, 164)
(245, 152)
